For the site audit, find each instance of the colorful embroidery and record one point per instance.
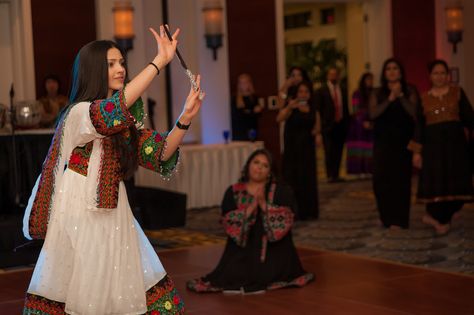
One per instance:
(277, 222)
(151, 146)
(442, 109)
(199, 285)
(111, 115)
(163, 299)
(38, 305)
(237, 225)
(39, 217)
(110, 176)
(79, 160)
(298, 282)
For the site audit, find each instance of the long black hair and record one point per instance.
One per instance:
(293, 89)
(245, 176)
(90, 82)
(384, 82)
(436, 62)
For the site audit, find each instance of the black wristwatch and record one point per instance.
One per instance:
(181, 126)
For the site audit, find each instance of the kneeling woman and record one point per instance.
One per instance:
(257, 215)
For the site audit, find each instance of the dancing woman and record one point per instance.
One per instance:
(96, 258)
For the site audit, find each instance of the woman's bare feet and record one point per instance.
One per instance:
(456, 216)
(429, 220)
(440, 229)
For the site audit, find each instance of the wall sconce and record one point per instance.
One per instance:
(213, 20)
(123, 24)
(454, 25)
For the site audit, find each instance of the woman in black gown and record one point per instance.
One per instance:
(393, 109)
(245, 110)
(441, 149)
(257, 215)
(299, 155)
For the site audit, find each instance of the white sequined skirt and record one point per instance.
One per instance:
(95, 262)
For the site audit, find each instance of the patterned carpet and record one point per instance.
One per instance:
(348, 223)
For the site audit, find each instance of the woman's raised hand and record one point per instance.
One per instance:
(166, 48)
(193, 103)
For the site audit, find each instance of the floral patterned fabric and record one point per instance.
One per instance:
(38, 305)
(277, 221)
(162, 299)
(237, 225)
(110, 176)
(79, 160)
(151, 146)
(199, 285)
(110, 116)
(301, 281)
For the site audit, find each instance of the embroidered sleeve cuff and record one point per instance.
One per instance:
(237, 225)
(415, 146)
(152, 146)
(110, 116)
(277, 222)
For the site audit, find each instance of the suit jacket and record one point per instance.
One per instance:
(325, 106)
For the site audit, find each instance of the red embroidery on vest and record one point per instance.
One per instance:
(79, 160)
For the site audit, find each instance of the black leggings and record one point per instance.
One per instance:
(443, 211)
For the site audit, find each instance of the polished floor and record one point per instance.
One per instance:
(345, 284)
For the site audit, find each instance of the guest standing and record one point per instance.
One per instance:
(245, 110)
(360, 139)
(288, 89)
(445, 120)
(299, 155)
(393, 109)
(332, 105)
(52, 102)
(257, 214)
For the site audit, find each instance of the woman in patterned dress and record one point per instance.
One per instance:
(444, 123)
(96, 258)
(257, 215)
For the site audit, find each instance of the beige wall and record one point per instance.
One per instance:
(317, 31)
(16, 52)
(355, 44)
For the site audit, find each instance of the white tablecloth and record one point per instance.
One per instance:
(204, 173)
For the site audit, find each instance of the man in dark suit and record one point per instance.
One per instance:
(334, 112)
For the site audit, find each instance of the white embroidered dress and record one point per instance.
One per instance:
(96, 261)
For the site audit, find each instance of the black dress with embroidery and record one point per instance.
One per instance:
(259, 254)
(445, 174)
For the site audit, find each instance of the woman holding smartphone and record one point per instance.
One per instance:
(299, 156)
